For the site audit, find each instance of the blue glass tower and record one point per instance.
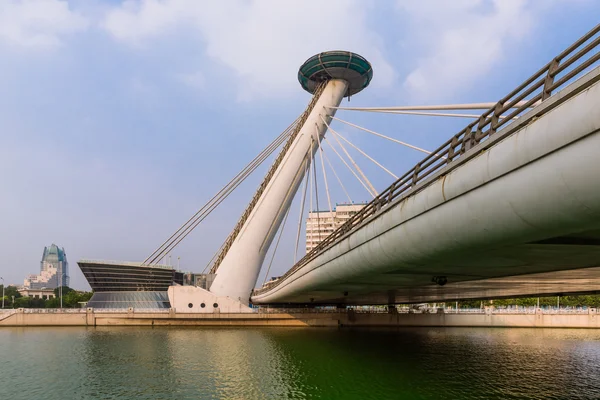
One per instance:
(54, 270)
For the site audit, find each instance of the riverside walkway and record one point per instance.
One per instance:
(489, 317)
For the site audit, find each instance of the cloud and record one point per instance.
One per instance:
(38, 23)
(262, 42)
(461, 41)
(194, 79)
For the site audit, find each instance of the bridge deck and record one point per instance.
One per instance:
(507, 200)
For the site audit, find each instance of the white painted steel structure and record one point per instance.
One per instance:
(527, 203)
(239, 270)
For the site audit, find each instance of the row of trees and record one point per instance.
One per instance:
(553, 301)
(70, 298)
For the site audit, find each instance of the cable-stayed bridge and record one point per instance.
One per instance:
(515, 193)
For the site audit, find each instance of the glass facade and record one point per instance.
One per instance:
(54, 270)
(130, 299)
(351, 67)
(120, 284)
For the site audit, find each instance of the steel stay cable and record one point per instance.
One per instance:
(304, 189)
(324, 173)
(312, 183)
(372, 188)
(348, 166)
(450, 107)
(248, 169)
(277, 243)
(209, 207)
(336, 175)
(182, 235)
(383, 136)
(317, 197)
(366, 155)
(423, 113)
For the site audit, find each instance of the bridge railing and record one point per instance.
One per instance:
(82, 310)
(568, 66)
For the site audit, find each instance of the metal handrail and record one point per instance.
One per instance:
(541, 85)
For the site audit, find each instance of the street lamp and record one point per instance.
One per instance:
(2, 292)
(60, 288)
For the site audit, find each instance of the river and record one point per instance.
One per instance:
(298, 363)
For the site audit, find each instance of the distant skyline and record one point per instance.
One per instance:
(119, 119)
(53, 272)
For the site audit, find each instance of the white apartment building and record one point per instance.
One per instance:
(321, 224)
(38, 293)
(47, 278)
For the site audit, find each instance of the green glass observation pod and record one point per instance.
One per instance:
(336, 65)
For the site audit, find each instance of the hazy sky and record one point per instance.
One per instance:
(119, 119)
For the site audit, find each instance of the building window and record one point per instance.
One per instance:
(202, 305)
(190, 305)
(215, 305)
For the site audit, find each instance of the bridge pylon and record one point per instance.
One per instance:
(330, 77)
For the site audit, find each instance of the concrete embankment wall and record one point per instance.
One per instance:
(537, 320)
(91, 318)
(345, 319)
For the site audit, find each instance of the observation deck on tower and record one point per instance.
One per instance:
(345, 65)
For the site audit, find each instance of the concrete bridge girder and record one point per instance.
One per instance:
(538, 183)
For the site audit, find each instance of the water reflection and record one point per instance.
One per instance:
(280, 363)
(127, 363)
(232, 363)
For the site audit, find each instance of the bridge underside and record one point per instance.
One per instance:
(572, 260)
(525, 204)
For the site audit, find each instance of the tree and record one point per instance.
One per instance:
(9, 292)
(22, 302)
(70, 298)
(65, 290)
(53, 303)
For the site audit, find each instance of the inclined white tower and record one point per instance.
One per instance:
(330, 77)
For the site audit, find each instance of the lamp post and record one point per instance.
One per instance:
(60, 288)
(2, 292)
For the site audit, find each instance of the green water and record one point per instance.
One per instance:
(298, 363)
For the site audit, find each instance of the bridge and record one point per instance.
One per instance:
(501, 198)
(508, 206)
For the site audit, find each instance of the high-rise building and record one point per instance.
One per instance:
(54, 270)
(321, 224)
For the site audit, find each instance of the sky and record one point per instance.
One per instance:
(119, 119)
